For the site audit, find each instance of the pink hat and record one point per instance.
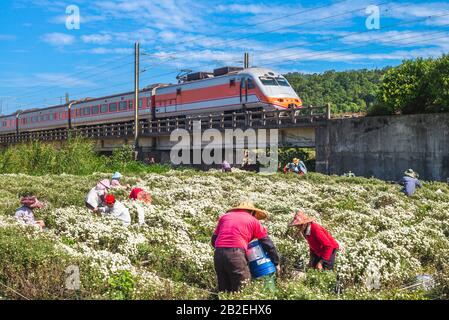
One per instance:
(103, 184)
(31, 202)
(300, 218)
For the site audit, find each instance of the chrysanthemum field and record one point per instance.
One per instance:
(389, 239)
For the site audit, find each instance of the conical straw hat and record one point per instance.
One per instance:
(300, 218)
(260, 214)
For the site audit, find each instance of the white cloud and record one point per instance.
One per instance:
(401, 38)
(103, 50)
(61, 80)
(96, 38)
(58, 39)
(84, 18)
(411, 11)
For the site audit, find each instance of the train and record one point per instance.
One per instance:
(226, 89)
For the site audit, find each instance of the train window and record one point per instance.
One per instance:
(104, 108)
(232, 83)
(86, 111)
(95, 110)
(113, 107)
(251, 83)
(148, 102)
(140, 103)
(282, 82)
(34, 119)
(50, 116)
(268, 81)
(122, 105)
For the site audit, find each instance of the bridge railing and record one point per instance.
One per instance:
(306, 116)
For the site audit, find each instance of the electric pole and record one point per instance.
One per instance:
(246, 60)
(136, 98)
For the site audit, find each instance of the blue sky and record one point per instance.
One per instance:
(41, 59)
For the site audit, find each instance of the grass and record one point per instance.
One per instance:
(76, 156)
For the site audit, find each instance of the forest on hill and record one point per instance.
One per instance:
(415, 86)
(347, 91)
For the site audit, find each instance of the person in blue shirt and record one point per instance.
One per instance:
(297, 166)
(410, 182)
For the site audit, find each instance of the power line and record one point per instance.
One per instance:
(344, 53)
(274, 63)
(359, 32)
(83, 72)
(253, 25)
(280, 28)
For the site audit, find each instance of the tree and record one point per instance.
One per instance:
(405, 89)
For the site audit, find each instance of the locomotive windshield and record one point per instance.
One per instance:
(271, 81)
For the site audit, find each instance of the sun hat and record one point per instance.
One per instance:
(134, 193)
(410, 173)
(109, 199)
(295, 160)
(31, 202)
(117, 175)
(260, 214)
(104, 184)
(300, 218)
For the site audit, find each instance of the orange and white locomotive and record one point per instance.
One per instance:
(227, 89)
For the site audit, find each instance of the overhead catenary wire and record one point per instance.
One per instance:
(224, 42)
(277, 57)
(84, 72)
(277, 62)
(260, 33)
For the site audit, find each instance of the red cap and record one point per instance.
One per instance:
(109, 199)
(135, 192)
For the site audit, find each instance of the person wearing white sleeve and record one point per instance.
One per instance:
(116, 209)
(140, 197)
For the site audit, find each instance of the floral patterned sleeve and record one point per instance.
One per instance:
(25, 215)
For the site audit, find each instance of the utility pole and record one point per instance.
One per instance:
(136, 98)
(67, 98)
(246, 60)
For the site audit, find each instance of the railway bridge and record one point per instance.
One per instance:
(294, 128)
(382, 146)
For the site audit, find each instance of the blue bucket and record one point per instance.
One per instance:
(259, 263)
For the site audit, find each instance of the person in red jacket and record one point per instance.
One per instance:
(323, 247)
(234, 231)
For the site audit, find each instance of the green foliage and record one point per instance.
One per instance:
(31, 265)
(121, 285)
(415, 86)
(347, 91)
(75, 156)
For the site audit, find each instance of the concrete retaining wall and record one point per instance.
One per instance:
(384, 147)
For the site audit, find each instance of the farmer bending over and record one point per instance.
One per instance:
(234, 231)
(116, 209)
(410, 182)
(323, 247)
(140, 196)
(25, 212)
(96, 195)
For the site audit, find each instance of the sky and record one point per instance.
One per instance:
(45, 53)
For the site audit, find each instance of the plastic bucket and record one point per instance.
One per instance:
(260, 264)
